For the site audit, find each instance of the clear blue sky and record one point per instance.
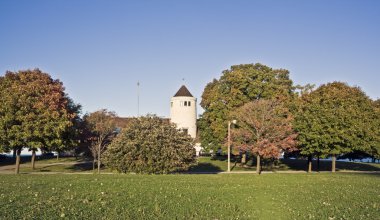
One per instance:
(100, 49)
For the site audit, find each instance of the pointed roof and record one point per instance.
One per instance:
(183, 91)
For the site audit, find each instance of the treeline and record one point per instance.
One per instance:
(274, 116)
(36, 113)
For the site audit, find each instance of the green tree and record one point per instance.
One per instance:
(102, 129)
(34, 113)
(373, 131)
(71, 137)
(265, 128)
(7, 114)
(237, 86)
(150, 145)
(333, 120)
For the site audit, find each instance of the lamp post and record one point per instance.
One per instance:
(229, 144)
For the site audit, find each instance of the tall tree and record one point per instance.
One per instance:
(7, 114)
(71, 136)
(102, 127)
(237, 86)
(333, 120)
(35, 112)
(265, 129)
(373, 131)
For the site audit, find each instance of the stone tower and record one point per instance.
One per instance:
(183, 111)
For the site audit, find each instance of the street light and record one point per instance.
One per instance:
(229, 144)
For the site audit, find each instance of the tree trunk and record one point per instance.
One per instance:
(310, 161)
(258, 165)
(57, 155)
(318, 163)
(33, 159)
(99, 159)
(243, 158)
(333, 163)
(93, 165)
(18, 152)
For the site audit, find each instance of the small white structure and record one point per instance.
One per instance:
(183, 111)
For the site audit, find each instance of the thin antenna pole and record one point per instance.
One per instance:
(138, 99)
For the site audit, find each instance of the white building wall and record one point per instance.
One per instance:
(183, 115)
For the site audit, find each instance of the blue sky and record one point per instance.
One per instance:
(100, 49)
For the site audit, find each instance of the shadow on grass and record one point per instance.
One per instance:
(44, 170)
(298, 164)
(5, 161)
(219, 164)
(205, 167)
(80, 167)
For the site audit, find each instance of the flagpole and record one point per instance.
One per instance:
(138, 99)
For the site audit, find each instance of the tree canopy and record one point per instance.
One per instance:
(101, 127)
(150, 145)
(265, 127)
(335, 119)
(373, 127)
(237, 86)
(35, 111)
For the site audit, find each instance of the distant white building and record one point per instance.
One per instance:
(183, 111)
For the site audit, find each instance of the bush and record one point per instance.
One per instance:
(150, 145)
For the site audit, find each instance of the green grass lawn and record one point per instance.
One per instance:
(235, 196)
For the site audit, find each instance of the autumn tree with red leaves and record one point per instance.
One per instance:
(265, 129)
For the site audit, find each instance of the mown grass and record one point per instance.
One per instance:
(234, 196)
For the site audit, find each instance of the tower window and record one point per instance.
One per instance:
(185, 103)
(189, 103)
(171, 104)
(181, 103)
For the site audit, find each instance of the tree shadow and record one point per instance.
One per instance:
(84, 166)
(325, 165)
(205, 167)
(6, 160)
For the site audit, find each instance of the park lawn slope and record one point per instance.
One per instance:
(235, 196)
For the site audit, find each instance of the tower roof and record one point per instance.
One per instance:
(183, 91)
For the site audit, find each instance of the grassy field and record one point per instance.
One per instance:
(235, 196)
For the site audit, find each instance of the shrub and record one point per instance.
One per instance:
(150, 145)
